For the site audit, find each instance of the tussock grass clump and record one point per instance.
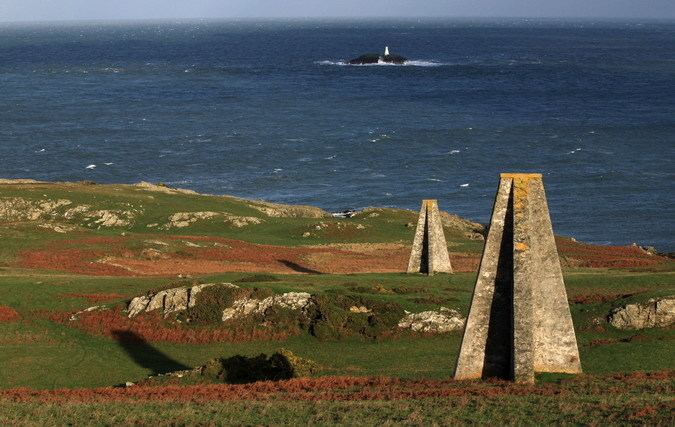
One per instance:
(258, 278)
(340, 316)
(281, 365)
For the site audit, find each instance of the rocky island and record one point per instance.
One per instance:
(376, 58)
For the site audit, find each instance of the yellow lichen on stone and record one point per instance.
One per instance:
(430, 202)
(520, 246)
(524, 176)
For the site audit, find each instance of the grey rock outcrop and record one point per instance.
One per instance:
(186, 219)
(440, 321)
(14, 209)
(654, 313)
(275, 210)
(169, 300)
(148, 186)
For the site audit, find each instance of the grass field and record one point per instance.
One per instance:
(54, 263)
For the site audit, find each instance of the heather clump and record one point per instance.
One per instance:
(340, 316)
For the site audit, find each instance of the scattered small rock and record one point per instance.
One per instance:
(344, 214)
(185, 219)
(153, 254)
(74, 316)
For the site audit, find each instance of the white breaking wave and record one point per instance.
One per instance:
(410, 63)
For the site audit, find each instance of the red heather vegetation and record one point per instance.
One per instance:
(151, 328)
(344, 388)
(8, 314)
(117, 256)
(576, 254)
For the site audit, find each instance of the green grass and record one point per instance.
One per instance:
(36, 352)
(584, 408)
(156, 207)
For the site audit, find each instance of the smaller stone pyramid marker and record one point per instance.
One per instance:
(429, 251)
(519, 322)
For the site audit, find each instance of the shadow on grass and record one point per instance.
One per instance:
(297, 267)
(145, 355)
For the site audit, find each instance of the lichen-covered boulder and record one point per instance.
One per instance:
(170, 300)
(249, 306)
(138, 305)
(441, 321)
(654, 313)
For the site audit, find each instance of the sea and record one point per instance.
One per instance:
(270, 109)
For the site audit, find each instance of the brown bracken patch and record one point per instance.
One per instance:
(577, 254)
(8, 314)
(117, 256)
(150, 327)
(218, 255)
(342, 388)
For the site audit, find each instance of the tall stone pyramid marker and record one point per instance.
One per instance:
(519, 322)
(429, 251)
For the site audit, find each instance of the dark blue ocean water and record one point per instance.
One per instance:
(267, 110)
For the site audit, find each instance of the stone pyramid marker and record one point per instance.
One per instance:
(519, 322)
(429, 251)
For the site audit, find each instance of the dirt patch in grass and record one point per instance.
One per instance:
(8, 314)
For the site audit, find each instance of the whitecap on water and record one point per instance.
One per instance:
(409, 63)
(91, 167)
(464, 185)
